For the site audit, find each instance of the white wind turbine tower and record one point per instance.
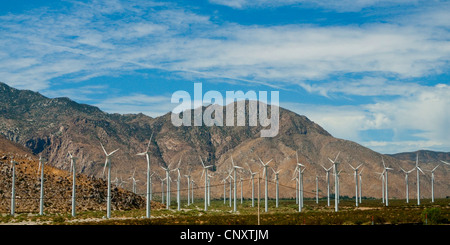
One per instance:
(73, 169)
(328, 182)
(253, 183)
(356, 181)
(149, 181)
(224, 181)
(336, 191)
(41, 168)
(317, 189)
(13, 187)
(406, 181)
(205, 171)
(240, 181)
(234, 182)
(134, 181)
(162, 188)
(418, 178)
(296, 187)
(209, 189)
(178, 184)
(432, 183)
(168, 180)
(360, 185)
(265, 166)
(300, 182)
(277, 188)
(231, 182)
(386, 169)
(192, 190)
(188, 176)
(108, 164)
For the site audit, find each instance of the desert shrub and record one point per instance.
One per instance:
(432, 216)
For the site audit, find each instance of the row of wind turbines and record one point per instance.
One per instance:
(232, 178)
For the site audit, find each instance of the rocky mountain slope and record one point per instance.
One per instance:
(52, 127)
(91, 191)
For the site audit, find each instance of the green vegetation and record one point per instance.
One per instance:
(371, 211)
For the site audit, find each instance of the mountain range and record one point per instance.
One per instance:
(52, 127)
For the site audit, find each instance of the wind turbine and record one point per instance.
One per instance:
(356, 181)
(134, 181)
(73, 169)
(445, 162)
(418, 178)
(178, 183)
(336, 192)
(252, 181)
(234, 182)
(406, 181)
(188, 176)
(13, 190)
(205, 171)
(231, 182)
(328, 182)
(386, 169)
(108, 164)
(224, 181)
(149, 182)
(192, 190)
(265, 166)
(168, 180)
(360, 185)
(317, 189)
(41, 168)
(432, 183)
(276, 181)
(300, 182)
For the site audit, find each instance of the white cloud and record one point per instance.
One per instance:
(425, 113)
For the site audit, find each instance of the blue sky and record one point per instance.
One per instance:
(371, 71)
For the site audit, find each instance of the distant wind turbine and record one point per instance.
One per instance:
(13, 186)
(336, 183)
(253, 183)
(188, 176)
(406, 181)
(108, 165)
(178, 184)
(277, 188)
(168, 180)
(432, 183)
(73, 169)
(328, 183)
(41, 168)
(418, 178)
(234, 183)
(356, 182)
(205, 171)
(265, 166)
(298, 168)
(386, 170)
(149, 182)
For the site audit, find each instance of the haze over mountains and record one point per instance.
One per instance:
(52, 127)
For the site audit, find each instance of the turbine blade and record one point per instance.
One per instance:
(113, 152)
(104, 167)
(337, 156)
(202, 161)
(103, 149)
